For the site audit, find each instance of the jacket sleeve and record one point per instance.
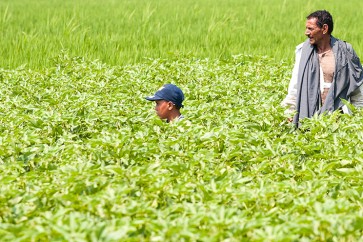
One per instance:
(357, 97)
(290, 99)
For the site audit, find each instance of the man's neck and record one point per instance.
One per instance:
(173, 115)
(324, 46)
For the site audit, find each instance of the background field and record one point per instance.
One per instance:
(83, 157)
(119, 32)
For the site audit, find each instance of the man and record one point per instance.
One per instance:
(326, 71)
(169, 99)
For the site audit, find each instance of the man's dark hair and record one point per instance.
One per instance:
(323, 17)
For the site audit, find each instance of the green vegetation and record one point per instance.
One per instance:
(84, 157)
(120, 32)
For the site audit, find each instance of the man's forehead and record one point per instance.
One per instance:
(312, 20)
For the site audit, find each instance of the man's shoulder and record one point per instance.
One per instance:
(300, 46)
(349, 47)
(344, 43)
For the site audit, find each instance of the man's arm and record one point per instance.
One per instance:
(290, 99)
(357, 97)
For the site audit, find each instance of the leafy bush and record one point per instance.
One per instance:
(84, 157)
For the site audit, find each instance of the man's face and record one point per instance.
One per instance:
(162, 108)
(313, 32)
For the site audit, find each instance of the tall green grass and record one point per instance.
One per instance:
(120, 32)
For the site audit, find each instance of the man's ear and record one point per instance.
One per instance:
(325, 28)
(170, 105)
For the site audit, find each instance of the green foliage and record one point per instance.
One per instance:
(84, 157)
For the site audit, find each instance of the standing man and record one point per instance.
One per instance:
(326, 71)
(168, 99)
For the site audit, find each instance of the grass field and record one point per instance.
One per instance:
(84, 157)
(119, 32)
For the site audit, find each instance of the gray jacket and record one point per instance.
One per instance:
(348, 76)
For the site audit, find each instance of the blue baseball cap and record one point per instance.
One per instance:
(169, 92)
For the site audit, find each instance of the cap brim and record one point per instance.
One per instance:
(153, 98)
